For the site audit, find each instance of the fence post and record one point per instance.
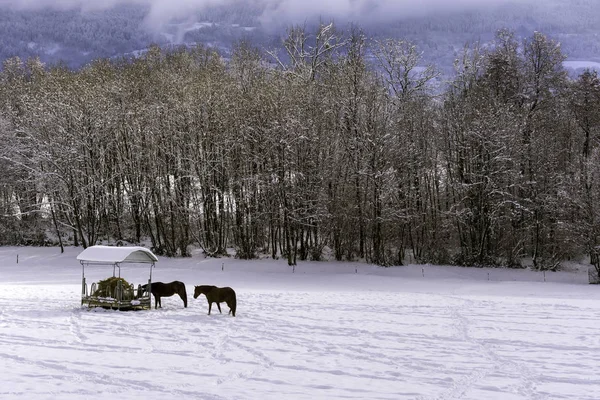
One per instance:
(223, 267)
(423, 271)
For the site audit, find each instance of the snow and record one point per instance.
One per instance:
(324, 331)
(112, 254)
(576, 65)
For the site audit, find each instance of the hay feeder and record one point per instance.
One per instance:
(115, 292)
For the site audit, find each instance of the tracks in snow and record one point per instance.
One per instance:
(498, 365)
(298, 345)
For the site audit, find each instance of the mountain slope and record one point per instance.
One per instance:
(75, 37)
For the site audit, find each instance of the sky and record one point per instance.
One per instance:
(294, 11)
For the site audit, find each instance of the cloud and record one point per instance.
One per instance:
(170, 6)
(160, 11)
(368, 10)
(274, 11)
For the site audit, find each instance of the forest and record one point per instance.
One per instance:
(316, 153)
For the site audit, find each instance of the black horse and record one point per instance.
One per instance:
(160, 289)
(217, 295)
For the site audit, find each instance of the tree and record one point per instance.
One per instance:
(583, 189)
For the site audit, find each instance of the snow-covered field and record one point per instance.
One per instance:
(325, 331)
(580, 65)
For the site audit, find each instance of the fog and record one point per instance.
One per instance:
(275, 11)
(368, 10)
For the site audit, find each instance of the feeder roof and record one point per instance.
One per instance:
(111, 254)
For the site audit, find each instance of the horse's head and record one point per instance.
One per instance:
(198, 290)
(144, 289)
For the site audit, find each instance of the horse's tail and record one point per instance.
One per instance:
(183, 293)
(233, 303)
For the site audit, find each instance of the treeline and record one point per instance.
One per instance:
(319, 150)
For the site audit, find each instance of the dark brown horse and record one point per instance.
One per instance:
(217, 295)
(160, 289)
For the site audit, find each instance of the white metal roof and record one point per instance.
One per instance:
(111, 254)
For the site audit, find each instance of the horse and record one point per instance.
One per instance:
(160, 289)
(217, 295)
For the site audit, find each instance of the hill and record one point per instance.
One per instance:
(76, 35)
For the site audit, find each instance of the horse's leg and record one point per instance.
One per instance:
(232, 306)
(155, 302)
(159, 302)
(184, 298)
(209, 306)
(219, 307)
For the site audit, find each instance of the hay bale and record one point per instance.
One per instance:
(106, 288)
